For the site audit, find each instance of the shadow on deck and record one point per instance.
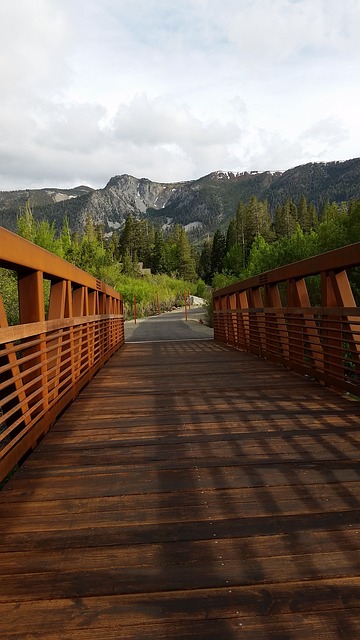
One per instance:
(193, 492)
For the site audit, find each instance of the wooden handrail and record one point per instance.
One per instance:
(47, 358)
(271, 315)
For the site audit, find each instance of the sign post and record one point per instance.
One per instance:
(185, 303)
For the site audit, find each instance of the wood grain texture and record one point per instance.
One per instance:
(190, 492)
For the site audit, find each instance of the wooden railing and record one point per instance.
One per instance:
(303, 315)
(47, 358)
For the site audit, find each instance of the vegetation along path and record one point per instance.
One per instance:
(191, 492)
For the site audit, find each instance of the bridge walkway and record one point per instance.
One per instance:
(191, 491)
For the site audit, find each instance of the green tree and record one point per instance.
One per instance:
(158, 260)
(260, 257)
(234, 261)
(186, 262)
(231, 235)
(88, 250)
(330, 211)
(26, 223)
(313, 216)
(204, 268)
(9, 295)
(127, 266)
(258, 220)
(218, 252)
(240, 223)
(127, 237)
(45, 236)
(65, 238)
(303, 215)
(285, 219)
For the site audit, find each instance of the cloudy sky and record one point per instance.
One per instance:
(174, 89)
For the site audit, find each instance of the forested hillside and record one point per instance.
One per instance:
(200, 206)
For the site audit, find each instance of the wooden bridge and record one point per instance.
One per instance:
(193, 490)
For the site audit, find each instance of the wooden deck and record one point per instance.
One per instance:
(193, 492)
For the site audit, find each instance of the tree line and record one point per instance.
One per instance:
(254, 243)
(115, 260)
(139, 241)
(251, 243)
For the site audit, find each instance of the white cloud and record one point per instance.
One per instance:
(172, 90)
(159, 121)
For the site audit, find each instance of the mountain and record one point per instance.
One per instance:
(42, 200)
(200, 205)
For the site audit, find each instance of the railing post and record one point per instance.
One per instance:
(311, 340)
(341, 292)
(277, 339)
(32, 309)
(243, 321)
(256, 322)
(294, 326)
(224, 317)
(232, 300)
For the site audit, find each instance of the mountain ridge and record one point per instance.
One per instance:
(200, 205)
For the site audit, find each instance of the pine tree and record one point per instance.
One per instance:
(65, 238)
(186, 263)
(313, 216)
(26, 223)
(218, 252)
(257, 220)
(45, 236)
(204, 268)
(90, 252)
(112, 248)
(329, 212)
(158, 262)
(234, 261)
(231, 235)
(303, 215)
(127, 264)
(284, 220)
(126, 242)
(136, 271)
(240, 226)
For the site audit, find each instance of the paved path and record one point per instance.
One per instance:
(169, 326)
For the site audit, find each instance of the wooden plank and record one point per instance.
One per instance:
(321, 444)
(35, 561)
(222, 502)
(163, 514)
(192, 616)
(120, 579)
(129, 481)
(184, 506)
(297, 597)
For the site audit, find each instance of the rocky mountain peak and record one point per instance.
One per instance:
(200, 205)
